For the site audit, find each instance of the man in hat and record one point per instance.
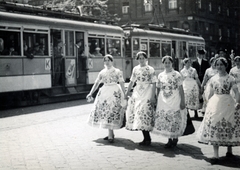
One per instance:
(201, 65)
(223, 53)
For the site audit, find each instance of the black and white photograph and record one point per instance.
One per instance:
(119, 84)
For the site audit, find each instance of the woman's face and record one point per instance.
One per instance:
(167, 64)
(188, 64)
(108, 62)
(220, 66)
(142, 60)
(237, 62)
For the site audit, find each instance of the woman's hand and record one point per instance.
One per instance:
(237, 106)
(182, 105)
(89, 97)
(153, 100)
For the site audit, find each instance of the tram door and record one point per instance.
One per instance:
(183, 52)
(57, 57)
(81, 59)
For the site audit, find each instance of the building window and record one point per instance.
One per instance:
(148, 5)
(210, 6)
(219, 9)
(125, 7)
(199, 4)
(228, 33)
(172, 4)
(220, 32)
(228, 12)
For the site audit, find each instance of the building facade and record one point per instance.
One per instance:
(217, 21)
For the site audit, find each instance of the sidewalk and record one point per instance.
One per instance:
(56, 137)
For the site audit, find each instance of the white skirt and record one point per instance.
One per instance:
(221, 123)
(191, 92)
(139, 113)
(108, 112)
(169, 120)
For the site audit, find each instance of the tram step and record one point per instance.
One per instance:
(70, 94)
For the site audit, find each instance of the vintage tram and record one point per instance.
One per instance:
(48, 56)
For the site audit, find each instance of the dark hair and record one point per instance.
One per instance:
(167, 57)
(212, 60)
(185, 60)
(110, 57)
(236, 58)
(223, 60)
(141, 53)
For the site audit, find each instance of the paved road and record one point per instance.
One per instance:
(56, 137)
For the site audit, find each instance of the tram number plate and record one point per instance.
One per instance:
(47, 64)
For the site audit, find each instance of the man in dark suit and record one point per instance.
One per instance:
(201, 65)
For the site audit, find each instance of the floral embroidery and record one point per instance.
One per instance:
(169, 83)
(224, 86)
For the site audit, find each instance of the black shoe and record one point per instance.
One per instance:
(174, 142)
(169, 144)
(106, 138)
(214, 161)
(145, 143)
(110, 140)
(229, 155)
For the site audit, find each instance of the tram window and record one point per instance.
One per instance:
(35, 43)
(114, 47)
(192, 51)
(135, 44)
(144, 47)
(69, 40)
(166, 49)
(96, 47)
(10, 43)
(80, 43)
(154, 49)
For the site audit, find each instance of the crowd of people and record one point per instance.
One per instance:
(160, 104)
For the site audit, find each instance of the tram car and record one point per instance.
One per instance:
(157, 42)
(48, 56)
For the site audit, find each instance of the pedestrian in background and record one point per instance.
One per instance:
(210, 72)
(140, 110)
(201, 65)
(235, 72)
(108, 112)
(220, 126)
(191, 86)
(171, 116)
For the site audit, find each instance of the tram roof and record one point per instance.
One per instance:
(162, 34)
(27, 20)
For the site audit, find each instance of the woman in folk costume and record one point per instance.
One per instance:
(171, 115)
(108, 109)
(235, 72)
(210, 72)
(191, 85)
(140, 110)
(220, 126)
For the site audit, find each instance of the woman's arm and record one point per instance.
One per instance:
(94, 87)
(182, 103)
(128, 89)
(153, 92)
(123, 88)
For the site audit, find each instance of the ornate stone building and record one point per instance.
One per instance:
(217, 21)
